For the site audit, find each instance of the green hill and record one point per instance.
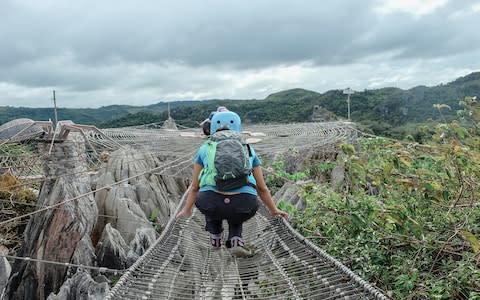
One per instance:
(93, 116)
(385, 111)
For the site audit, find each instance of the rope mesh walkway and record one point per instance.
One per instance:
(182, 265)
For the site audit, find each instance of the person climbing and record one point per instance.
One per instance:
(227, 191)
(205, 124)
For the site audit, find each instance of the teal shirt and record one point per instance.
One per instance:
(201, 159)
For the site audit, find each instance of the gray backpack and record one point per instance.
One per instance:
(228, 164)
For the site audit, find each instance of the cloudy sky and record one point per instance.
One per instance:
(97, 53)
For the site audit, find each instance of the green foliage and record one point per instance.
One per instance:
(16, 149)
(134, 119)
(153, 218)
(278, 175)
(326, 166)
(287, 207)
(154, 215)
(408, 218)
(95, 116)
(114, 279)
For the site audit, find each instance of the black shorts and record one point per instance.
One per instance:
(234, 208)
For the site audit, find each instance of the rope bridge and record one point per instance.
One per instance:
(285, 265)
(182, 264)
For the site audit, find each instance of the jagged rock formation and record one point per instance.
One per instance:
(112, 250)
(140, 197)
(338, 176)
(320, 114)
(83, 287)
(289, 193)
(110, 228)
(144, 238)
(56, 234)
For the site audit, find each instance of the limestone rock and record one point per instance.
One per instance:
(84, 253)
(89, 229)
(289, 193)
(81, 287)
(112, 250)
(128, 216)
(55, 234)
(130, 204)
(338, 177)
(144, 238)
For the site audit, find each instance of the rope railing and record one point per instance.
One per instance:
(163, 168)
(70, 265)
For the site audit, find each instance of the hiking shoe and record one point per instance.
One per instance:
(237, 247)
(216, 240)
(237, 241)
(241, 251)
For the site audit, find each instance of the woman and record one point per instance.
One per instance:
(205, 124)
(236, 205)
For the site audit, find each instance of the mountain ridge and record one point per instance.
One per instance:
(382, 108)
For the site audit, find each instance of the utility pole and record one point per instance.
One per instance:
(55, 108)
(348, 91)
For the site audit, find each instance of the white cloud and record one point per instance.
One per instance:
(16, 95)
(465, 12)
(476, 7)
(414, 7)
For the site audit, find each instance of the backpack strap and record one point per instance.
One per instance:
(250, 154)
(207, 176)
(249, 150)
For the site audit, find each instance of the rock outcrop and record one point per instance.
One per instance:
(56, 234)
(82, 287)
(289, 193)
(110, 228)
(142, 199)
(144, 238)
(112, 249)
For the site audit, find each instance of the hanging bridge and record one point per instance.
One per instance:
(284, 265)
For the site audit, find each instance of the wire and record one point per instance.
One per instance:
(99, 269)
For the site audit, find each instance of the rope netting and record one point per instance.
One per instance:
(284, 265)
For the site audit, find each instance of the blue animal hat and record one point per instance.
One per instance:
(226, 120)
